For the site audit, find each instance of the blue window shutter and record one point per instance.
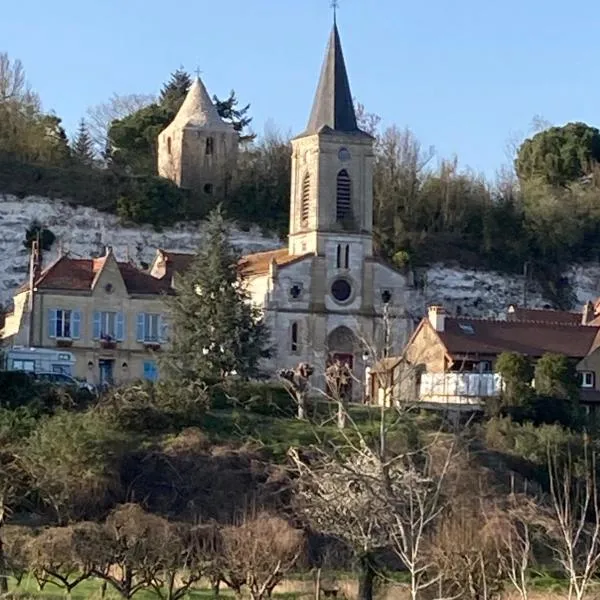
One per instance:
(75, 324)
(120, 327)
(150, 370)
(52, 323)
(97, 325)
(140, 327)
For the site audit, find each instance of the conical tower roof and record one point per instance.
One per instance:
(333, 109)
(198, 111)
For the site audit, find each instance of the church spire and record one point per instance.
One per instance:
(333, 108)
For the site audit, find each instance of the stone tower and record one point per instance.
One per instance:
(198, 148)
(332, 168)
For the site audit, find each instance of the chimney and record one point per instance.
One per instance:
(588, 313)
(437, 317)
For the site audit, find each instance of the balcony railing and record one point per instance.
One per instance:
(459, 388)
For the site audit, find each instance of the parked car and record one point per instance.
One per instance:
(63, 380)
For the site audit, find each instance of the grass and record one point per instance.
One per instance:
(90, 589)
(277, 434)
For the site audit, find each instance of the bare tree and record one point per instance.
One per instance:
(13, 83)
(261, 551)
(464, 557)
(101, 116)
(15, 542)
(53, 558)
(338, 380)
(297, 382)
(514, 526)
(574, 523)
(417, 506)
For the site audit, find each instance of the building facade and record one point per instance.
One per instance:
(197, 150)
(327, 296)
(109, 315)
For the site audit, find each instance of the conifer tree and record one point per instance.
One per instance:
(215, 331)
(83, 147)
(174, 91)
(238, 117)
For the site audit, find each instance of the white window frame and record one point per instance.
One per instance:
(587, 379)
(149, 320)
(18, 364)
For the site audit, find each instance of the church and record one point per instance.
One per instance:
(326, 296)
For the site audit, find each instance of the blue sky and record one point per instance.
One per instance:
(465, 75)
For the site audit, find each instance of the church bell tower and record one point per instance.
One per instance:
(332, 167)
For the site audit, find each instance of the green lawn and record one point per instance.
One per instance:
(89, 590)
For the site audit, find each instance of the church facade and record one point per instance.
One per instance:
(327, 296)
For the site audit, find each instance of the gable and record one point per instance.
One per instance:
(108, 278)
(426, 348)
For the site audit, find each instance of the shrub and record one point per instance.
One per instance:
(262, 398)
(163, 406)
(73, 462)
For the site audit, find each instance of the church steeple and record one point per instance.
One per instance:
(333, 108)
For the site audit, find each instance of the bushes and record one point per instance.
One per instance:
(163, 406)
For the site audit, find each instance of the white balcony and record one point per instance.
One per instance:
(459, 388)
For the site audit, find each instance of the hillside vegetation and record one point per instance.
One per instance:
(423, 213)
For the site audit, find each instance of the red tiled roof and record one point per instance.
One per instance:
(78, 274)
(259, 262)
(482, 336)
(544, 315)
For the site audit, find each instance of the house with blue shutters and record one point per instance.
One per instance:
(109, 315)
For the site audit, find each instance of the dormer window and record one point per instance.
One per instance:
(210, 146)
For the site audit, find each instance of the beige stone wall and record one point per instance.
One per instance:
(183, 159)
(427, 349)
(129, 355)
(318, 156)
(592, 363)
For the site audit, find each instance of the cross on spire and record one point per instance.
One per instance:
(335, 4)
(198, 71)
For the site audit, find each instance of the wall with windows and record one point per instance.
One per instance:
(123, 332)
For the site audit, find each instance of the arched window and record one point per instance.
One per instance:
(338, 262)
(347, 257)
(294, 338)
(169, 145)
(305, 200)
(343, 204)
(210, 146)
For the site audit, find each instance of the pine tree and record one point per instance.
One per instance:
(83, 147)
(174, 91)
(215, 329)
(238, 117)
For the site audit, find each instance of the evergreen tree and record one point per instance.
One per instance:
(174, 91)
(82, 146)
(215, 329)
(238, 117)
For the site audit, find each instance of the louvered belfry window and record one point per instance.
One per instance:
(305, 200)
(344, 196)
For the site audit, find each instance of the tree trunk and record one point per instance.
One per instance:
(216, 588)
(341, 415)
(366, 578)
(3, 570)
(301, 406)
(318, 584)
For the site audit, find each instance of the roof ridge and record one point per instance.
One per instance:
(497, 320)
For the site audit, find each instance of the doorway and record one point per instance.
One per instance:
(107, 371)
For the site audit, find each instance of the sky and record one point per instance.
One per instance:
(466, 76)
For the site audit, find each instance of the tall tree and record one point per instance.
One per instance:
(215, 329)
(83, 146)
(174, 91)
(238, 117)
(559, 155)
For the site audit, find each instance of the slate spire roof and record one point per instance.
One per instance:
(198, 110)
(333, 109)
